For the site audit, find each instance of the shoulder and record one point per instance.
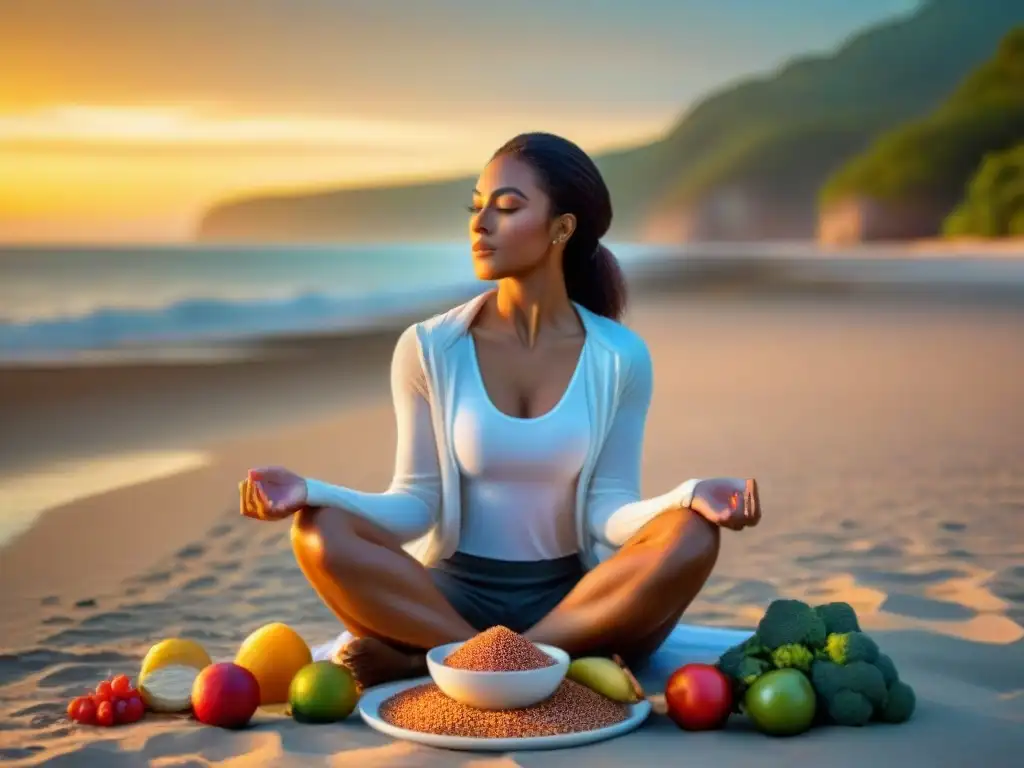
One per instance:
(441, 327)
(628, 347)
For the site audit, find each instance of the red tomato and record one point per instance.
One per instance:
(134, 710)
(699, 697)
(105, 714)
(121, 686)
(120, 705)
(82, 710)
(104, 692)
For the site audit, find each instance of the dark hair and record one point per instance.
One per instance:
(574, 185)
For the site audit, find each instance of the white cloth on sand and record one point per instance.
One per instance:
(688, 643)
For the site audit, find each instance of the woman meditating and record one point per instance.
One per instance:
(516, 490)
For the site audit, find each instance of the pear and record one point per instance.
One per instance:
(607, 677)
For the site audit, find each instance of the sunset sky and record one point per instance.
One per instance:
(122, 119)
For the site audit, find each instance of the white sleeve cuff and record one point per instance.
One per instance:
(684, 492)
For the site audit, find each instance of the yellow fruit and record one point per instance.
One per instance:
(168, 688)
(603, 676)
(274, 653)
(176, 650)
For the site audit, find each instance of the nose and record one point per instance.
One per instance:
(479, 223)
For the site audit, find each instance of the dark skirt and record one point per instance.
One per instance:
(514, 594)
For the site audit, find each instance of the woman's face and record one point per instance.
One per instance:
(510, 226)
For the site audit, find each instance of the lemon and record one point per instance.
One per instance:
(177, 651)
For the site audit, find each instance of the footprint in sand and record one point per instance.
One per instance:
(20, 753)
(202, 582)
(87, 603)
(191, 552)
(155, 577)
(220, 530)
(272, 570)
(229, 566)
(236, 546)
(921, 578)
(50, 600)
(926, 609)
(17, 666)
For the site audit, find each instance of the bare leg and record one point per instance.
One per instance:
(629, 604)
(384, 596)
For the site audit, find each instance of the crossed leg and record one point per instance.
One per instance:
(388, 600)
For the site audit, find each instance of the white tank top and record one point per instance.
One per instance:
(518, 475)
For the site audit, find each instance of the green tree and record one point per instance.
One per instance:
(932, 159)
(994, 204)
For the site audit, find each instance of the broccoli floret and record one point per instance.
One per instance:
(839, 618)
(753, 646)
(900, 704)
(743, 664)
(795, 656)
(849, 708)
(888, 669)
(850, 647)
(743, 669)
(849, 690)
(730, 660)
(791, 622)
(750, 669)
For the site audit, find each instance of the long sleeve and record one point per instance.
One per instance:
(411, 504)
(615, 510)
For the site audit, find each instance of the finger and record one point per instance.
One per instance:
(728, 518)
(755, 495)
(242, 491)
(253, 500)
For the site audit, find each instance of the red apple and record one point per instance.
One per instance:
(699, 697)
(225, 695)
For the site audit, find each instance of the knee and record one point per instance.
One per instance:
(691, 544)
(321, 538)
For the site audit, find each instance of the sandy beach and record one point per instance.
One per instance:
(888, 437)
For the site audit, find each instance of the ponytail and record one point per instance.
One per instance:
(594, 279)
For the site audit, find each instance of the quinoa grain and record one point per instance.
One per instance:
(498, 649)
(573, 708)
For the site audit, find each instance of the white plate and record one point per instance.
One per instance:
(369, 710)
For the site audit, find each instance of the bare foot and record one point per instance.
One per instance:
(374, 662)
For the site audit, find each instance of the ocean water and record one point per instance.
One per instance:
(61, 303)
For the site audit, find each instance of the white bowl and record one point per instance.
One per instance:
(497, 690)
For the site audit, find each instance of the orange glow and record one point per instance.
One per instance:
(80, 172)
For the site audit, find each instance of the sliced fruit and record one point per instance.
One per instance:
(168, 689)
(175, 651)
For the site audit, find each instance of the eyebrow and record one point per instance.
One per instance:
(504, 191)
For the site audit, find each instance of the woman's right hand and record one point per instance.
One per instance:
(272, 493)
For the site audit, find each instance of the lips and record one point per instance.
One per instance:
(482, 249)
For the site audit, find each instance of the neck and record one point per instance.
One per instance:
(534, 303)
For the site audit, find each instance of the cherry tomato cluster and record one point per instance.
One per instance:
(114, 702)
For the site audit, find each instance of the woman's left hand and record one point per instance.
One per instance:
(731, 502)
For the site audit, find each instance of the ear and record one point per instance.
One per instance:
(562, 228)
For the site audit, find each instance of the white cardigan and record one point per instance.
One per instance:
(422, 504)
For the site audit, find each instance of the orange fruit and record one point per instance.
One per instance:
(274, 653)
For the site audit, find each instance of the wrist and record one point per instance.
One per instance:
(685, 493)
